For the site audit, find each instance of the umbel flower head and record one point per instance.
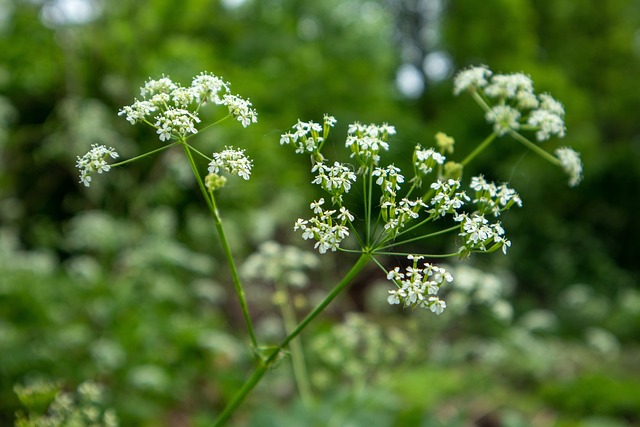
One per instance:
(95, 161)
(398, 215)
(173, 109)
(233, 161)
(510, 102)
(512, 107)
(418, 286)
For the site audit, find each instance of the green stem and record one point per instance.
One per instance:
(425, 236)
(484, 144)
(211, 203)
(262, 368)
(515, 135)
(297, 353)
(133, 159)
(368, 192)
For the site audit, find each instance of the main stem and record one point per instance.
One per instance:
(484, 144)
(262, 368)
(211, 203)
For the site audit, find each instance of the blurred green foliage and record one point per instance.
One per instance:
(122, 284)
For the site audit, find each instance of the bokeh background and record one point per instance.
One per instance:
(124, 283)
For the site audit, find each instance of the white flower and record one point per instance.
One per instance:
(509, 86)
(176, 122)
(547, 102)
(206, 88)
(183, 96)
(366, 142)
(345, 215)
(389, 179)
(233, 161)
(163, 85)
(571, 164)
(504, 118)
(335, 179)
(425, 159)
(329, 120)
(94, 161)
(447, 199)
(436, 305)
(418, 286)
(316, 206)
(324, 228)
(471, 79)
(491, 198)
(481, 236)
(240, 109)
(547, 123)
(138, 111)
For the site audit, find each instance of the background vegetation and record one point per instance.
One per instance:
(117, 284)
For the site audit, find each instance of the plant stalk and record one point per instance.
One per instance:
(262, 368)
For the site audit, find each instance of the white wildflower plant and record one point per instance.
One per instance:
(398, 211)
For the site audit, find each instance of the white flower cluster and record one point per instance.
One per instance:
(471, 79)
(571, 164)
(175, 121)
(424, 160)
(389, 179)
(335, 180)
(326, 230)
(447, 199)
(94, 161)
(366, 141)
(240, 109)
(491, 198)
(397, 215)
(418, 286)
(516, 102)
(479, 235)
(306, 135)
(172, 109)
(233, 161)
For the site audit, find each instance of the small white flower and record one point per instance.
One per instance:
(233, 161)
(471, 79)
(94, 161)
(329, 120)
(436, 305)
(571, 164)
(316, 206)
(345, 215)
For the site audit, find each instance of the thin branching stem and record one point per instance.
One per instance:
(211, 203)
